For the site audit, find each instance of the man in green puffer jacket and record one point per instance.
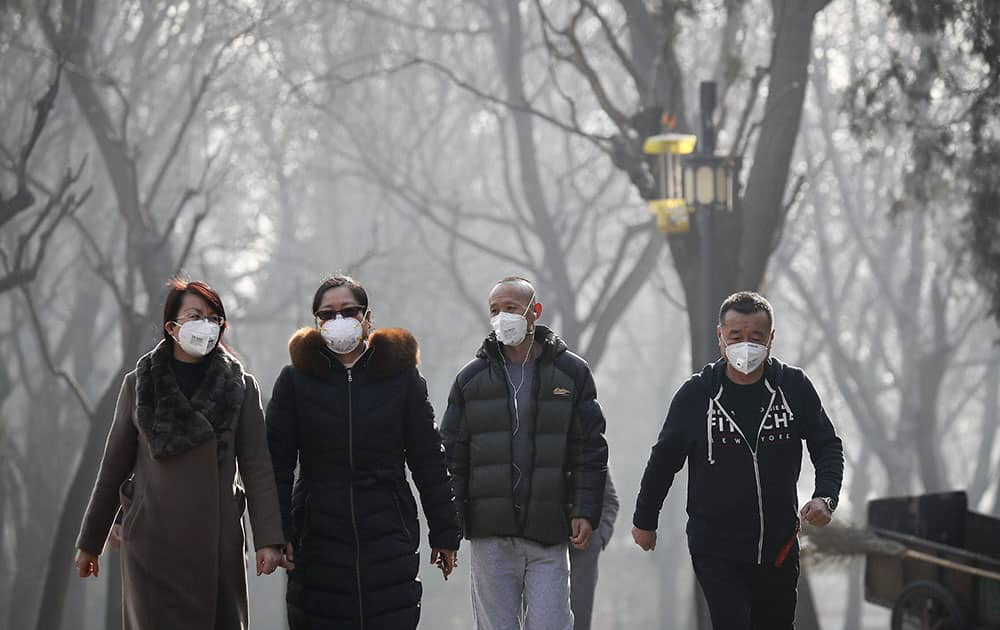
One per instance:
(525, 440)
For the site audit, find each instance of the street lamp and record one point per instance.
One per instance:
(669, 206)
(709, 181)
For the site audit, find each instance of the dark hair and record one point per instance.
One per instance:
(172, 303)
(340, 281)
(747, 303)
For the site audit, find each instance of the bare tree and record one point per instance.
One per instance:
(21, 265)
(154, 247)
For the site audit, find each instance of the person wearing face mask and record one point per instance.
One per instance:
(525, 440)
(186, 455)
(352, 412)
(739, 425)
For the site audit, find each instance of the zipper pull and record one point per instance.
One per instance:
(350, 378)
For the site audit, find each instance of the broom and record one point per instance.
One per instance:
(841, 541)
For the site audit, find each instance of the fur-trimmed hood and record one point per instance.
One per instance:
(390, 352)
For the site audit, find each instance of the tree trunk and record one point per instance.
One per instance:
(763, 203)
(59, 570)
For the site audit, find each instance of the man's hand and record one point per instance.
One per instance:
(816, 513)
(582, 531)
(268, 559)
(87, 564)
(288, 561)
(444, 559)
(645, 538)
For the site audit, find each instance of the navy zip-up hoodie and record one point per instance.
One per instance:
(742, 499)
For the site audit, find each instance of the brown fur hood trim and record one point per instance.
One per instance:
(390, 351)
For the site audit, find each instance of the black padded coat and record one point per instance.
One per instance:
(570, 454)
(350, 512)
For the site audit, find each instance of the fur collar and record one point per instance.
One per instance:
(390, 352)
(173, 424)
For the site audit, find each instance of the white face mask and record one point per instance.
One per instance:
(342, 334)
(198, 337)
(511, 328)
(746, 356)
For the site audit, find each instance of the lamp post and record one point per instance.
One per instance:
(709, 183)
(699, 183)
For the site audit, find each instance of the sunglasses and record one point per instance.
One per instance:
(347, 311)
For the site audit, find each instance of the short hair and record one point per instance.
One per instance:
(177, 289)
(512, 279)
(747, 303)
(340, 280)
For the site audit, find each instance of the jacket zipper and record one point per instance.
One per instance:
(756, 468)
(354, 518)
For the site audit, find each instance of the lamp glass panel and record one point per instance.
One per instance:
(721, 175)
(705, 180)
(689, 185)
(676, 175)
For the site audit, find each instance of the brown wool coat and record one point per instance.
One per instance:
(183, 553)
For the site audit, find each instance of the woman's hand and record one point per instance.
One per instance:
(445, 559)
(115, 538)
(268, 560)
(87, 564)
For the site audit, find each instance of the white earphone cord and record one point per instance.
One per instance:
(516, 390)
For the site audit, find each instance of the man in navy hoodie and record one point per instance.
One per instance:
(739, 425)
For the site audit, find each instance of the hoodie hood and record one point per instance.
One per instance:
(710, 377)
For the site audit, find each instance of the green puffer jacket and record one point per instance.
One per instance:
(570, 453)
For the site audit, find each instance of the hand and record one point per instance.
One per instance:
(645, 538)
(288, 561)
(268, 559)
(87, 564)
(582, 531)
(816, 513)
(115, 539)
(445, 559)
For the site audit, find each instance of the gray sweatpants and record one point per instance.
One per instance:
(517, 583)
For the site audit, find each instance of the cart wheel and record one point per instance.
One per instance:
(926, 606)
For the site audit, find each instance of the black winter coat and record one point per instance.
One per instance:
(351, 514)
(569, 452)
(742, 500)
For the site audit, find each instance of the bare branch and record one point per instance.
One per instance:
(50, 363)
(738, 138)
(18, 272)
(411, 25)
(192, 235)
(578, 59)
(192, 109)
(641, 86)
(23, 198)
(601, 141)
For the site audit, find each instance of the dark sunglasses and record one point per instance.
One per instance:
(347, 311)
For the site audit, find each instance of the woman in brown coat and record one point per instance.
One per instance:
(188, 436)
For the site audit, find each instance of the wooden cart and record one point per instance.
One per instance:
(947, 576)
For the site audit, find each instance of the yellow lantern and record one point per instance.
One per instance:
(669, 207)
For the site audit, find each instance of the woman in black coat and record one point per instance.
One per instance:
(350, 410)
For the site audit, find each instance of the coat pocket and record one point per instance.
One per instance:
(301, 517)
(130, 505)
(402, 517)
